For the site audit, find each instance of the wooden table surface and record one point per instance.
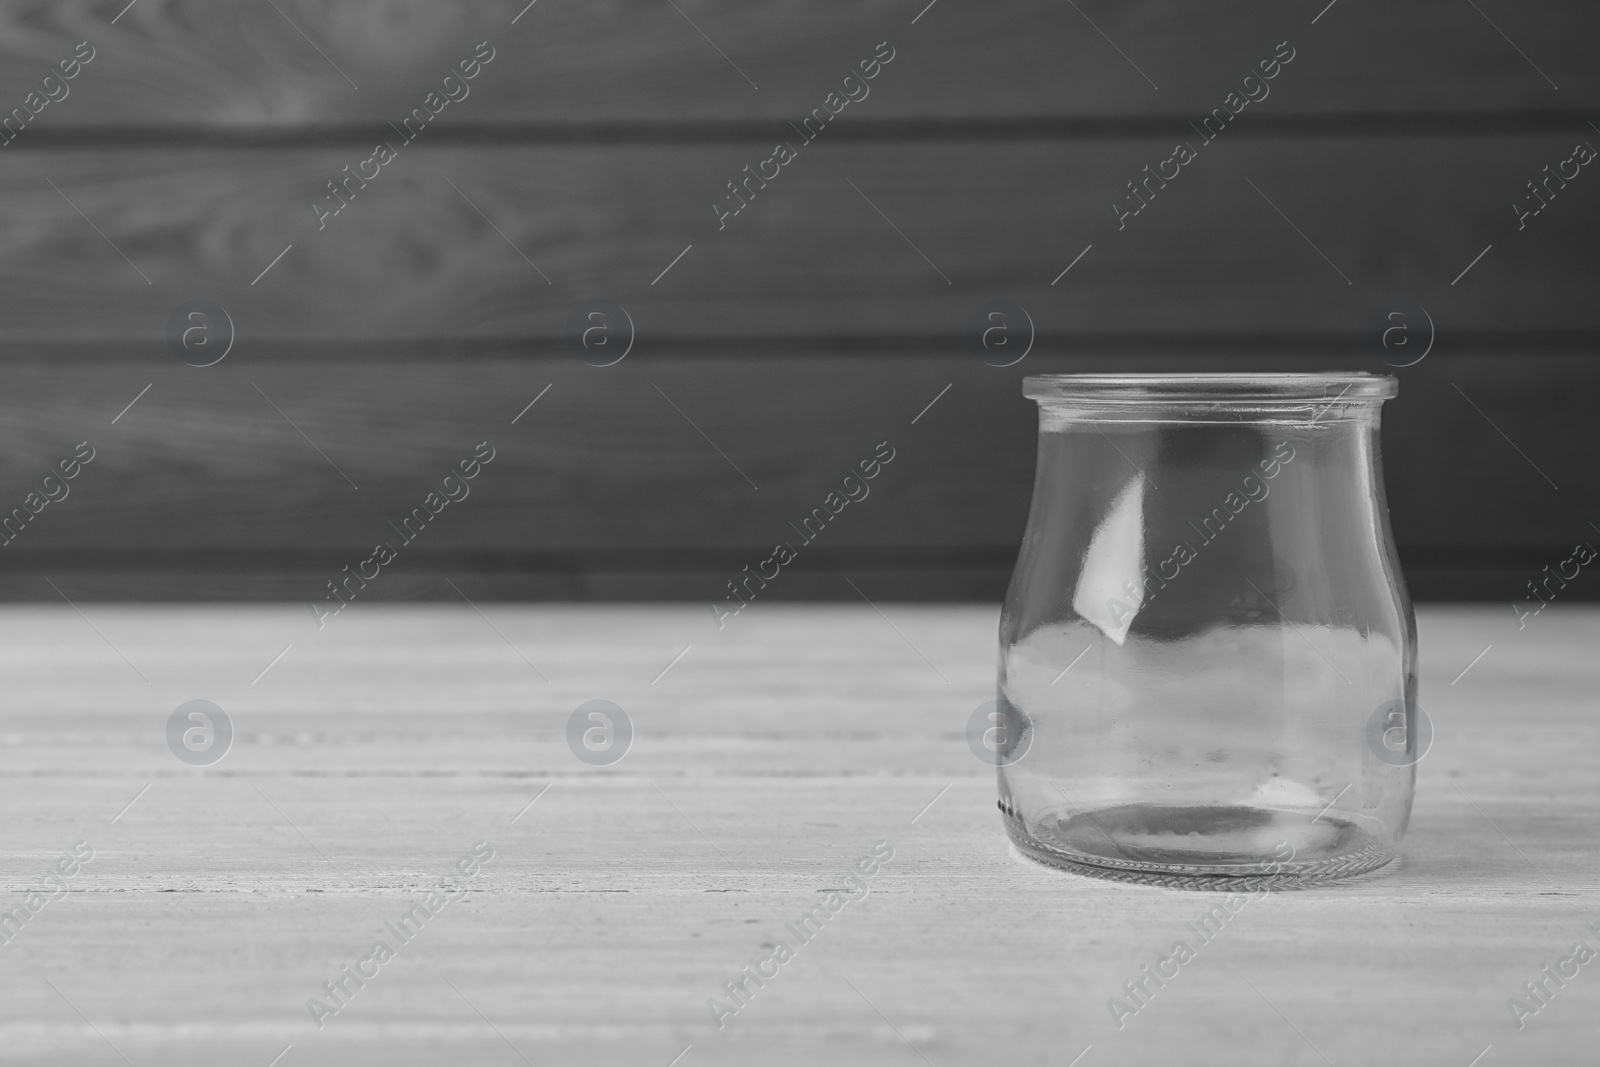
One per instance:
(767, 760)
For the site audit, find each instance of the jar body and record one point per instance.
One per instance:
(1206, 621)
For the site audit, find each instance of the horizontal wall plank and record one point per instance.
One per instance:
(610, 484)
(1563, 124)
(1500, 577)
(463, 243)
(247, 65)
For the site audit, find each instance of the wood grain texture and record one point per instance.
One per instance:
(527, 235)
(766, 761)
(584, 166)
(183, 62)
(240, 479)
(237, 474)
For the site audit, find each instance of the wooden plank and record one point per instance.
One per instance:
(619, 477)
(528, 235)
(222, 898)
(189, 62)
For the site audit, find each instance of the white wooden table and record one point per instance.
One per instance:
(768, 759)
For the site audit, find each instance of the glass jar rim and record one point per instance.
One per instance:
(1211, 388)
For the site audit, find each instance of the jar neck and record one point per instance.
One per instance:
(1215, 392)
(1305, 415)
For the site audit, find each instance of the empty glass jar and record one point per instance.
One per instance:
(1207, 654)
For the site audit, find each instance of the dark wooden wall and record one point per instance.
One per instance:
(777, 351)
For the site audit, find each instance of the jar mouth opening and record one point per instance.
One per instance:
(1254, 389)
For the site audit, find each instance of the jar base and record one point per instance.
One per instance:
(1224, 847)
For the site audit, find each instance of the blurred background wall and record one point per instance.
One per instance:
(556, 222)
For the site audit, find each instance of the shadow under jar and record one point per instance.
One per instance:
(1207, 653)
